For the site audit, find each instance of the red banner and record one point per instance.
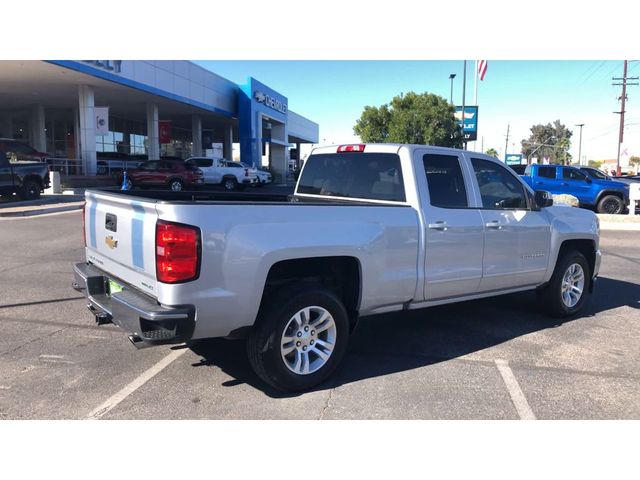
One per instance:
(164, 130)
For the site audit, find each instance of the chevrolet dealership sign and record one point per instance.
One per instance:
(270, 102)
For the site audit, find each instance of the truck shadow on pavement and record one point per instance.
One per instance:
(392, 343)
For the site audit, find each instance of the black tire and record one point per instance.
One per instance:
(30, 190)
(611, 204)
(264, 341)
(176, 185)
(550, 297)
(230, 184)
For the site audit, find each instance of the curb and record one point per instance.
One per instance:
(629, 227)
(41, 211)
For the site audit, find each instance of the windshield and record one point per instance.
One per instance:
(375, 176)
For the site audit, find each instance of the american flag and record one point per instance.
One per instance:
(482, 68)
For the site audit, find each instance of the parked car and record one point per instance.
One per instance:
(174, 174)
(17, 150)
(218, 171)
(26, 178)
(606, 196)
(370, 229)
(264, 176)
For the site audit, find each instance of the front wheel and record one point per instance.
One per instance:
(299, 339)
(176, 185)
(568, 290)
(611, 204)
(30, 190)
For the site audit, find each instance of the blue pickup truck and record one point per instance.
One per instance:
(606, 196)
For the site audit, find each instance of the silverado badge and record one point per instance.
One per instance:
(111, 242)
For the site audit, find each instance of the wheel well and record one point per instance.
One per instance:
(609, 192)
(586, 247)
(339, 274)
(173, 179)
(34, 178)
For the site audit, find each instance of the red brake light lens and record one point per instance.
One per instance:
(177, 252)
(351, 148)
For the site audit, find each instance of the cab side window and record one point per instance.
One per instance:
(499, 188)
(445, 181)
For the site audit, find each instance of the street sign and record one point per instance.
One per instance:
(513, 159)
(470, 130)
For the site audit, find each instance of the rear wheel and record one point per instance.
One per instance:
(611, 204)
(568, 290)
(300, 337)
(30, 190)
(230, 183)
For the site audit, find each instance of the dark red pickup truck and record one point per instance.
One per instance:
(27, 179)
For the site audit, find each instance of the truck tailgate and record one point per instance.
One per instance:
(120, 235)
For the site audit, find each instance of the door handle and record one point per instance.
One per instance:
(564, 184)
(494, 225)
(439, 225)
(538, 183)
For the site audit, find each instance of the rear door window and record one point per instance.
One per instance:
(547, 172)
(374, 176)
(445, 181)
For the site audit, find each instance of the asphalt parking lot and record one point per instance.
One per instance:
(489, 359)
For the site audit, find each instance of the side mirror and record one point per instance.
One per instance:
(588, 180)
(543, 198)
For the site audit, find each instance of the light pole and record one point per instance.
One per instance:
(539, 147)
(451, 77)
(580, 143)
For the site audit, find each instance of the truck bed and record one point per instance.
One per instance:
(213, 197)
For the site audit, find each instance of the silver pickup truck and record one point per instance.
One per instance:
(370, 229)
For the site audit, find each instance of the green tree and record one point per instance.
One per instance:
(595, 163)
(425, 119)
(556, 138)
(635, 161)
(493, 152)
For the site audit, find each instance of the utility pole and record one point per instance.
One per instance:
(622, 99)
(580, 144)
(464, 86)
(506, 143)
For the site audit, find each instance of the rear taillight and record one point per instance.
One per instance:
(351, 148)
(84, 228)
(177, 252)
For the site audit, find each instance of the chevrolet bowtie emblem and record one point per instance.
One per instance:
(111, 242)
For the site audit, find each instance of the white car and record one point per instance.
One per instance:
(218, 171)
(264, 177)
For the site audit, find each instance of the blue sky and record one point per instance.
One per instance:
(515, 93)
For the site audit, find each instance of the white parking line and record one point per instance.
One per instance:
(114, 400)
(515, 392)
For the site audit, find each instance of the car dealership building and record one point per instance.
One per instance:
(74, 109)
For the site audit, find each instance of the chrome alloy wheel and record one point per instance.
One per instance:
(572, 285)
(176, 186)
(308, 340)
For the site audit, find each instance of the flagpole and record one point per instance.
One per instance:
(475, 95)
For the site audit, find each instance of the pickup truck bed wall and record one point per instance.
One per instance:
(384, 239)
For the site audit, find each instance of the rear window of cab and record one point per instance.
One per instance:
(370, 176)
